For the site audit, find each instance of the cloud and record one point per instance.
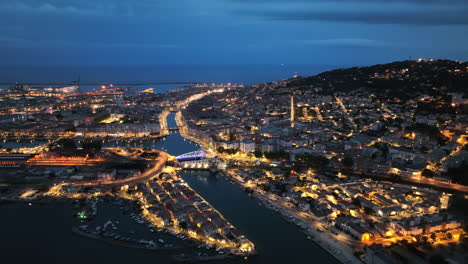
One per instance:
(117, 8)
(421, 2)
(405, 12)
(345, 42)
(407, 17)
(18, 42)
(57, 7)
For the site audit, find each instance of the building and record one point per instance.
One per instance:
(107, 175)
(13, 160)
(229, 144)
(247, 146)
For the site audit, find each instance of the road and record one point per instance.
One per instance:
(158, 166)
(163, 122)
(437, 183)
(425, 182)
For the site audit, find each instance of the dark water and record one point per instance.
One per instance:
(42, 234)
(150, 75)
(173, 144)
(242, 74)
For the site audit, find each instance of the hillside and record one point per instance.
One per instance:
(402, 79)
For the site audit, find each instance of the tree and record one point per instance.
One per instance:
(404, 242)
(281, 187)
(358, 253)
(43, 188)
(221, 150)
(428, 173)
(92, 145)
(52, 176)
(183, 225)
(382, 147)
(395, 177)
(313, 161)
(347, 161)
(265, 187)
(277, 155)
(356, 202)
(258, 153)
(66, 144)
(70, 129)
(368, 211)
(459, 204)
(458, 174)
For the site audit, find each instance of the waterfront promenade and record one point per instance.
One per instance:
(337, 246)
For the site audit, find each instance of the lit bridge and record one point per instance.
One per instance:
(197, 160)
(194, 155)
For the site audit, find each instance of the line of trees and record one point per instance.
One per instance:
(227, 151)
(312, 160)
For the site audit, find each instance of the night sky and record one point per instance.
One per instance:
(142, 32)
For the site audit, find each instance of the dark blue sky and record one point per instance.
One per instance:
(135, 32)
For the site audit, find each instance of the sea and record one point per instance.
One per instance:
(155, 74)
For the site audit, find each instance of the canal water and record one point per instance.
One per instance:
(42, 233)
(173, 143)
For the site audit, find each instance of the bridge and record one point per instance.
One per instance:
(200, 164)
(197, 160)
(194, 155)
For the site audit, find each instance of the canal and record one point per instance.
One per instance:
(43, 232)
(276, 240)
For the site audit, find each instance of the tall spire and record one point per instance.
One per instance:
(292, 110)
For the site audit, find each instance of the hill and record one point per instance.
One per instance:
(402, 79)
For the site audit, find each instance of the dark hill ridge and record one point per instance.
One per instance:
(402, 79)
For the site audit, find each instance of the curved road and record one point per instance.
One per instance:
(158, 166)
